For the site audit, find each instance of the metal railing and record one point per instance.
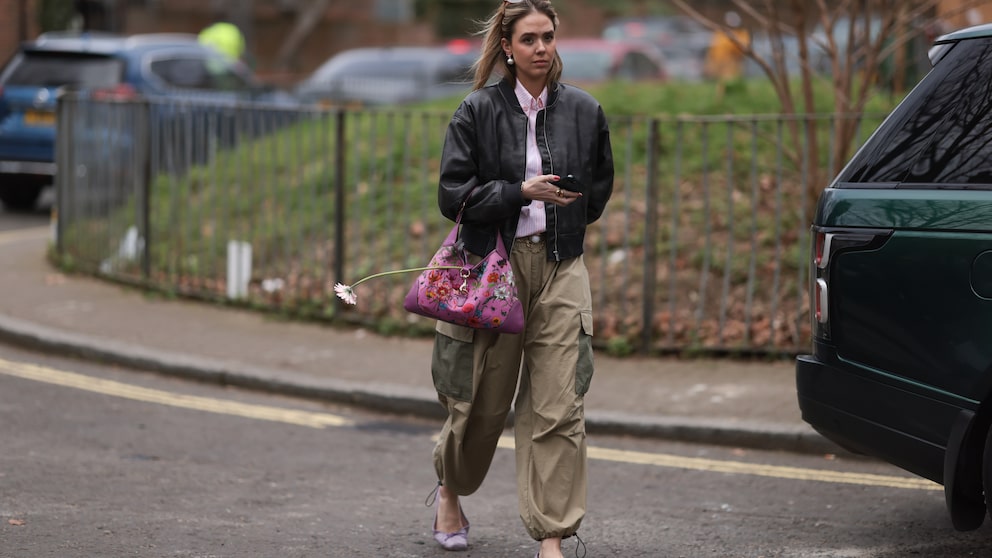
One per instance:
(703, 246)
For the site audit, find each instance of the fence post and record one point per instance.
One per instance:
(144, 112)
(650, 238)
(339, 201)
(63, 123)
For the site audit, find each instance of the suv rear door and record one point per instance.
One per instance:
(906, 232)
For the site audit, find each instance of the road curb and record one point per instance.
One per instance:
(396, 399)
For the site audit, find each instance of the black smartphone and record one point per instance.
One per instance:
(568, 182)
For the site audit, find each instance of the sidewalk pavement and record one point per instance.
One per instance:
(745, 404)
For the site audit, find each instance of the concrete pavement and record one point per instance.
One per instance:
(746, 404)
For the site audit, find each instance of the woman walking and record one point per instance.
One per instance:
(528, 158)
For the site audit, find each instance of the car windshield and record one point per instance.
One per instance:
(38, 69)
(199, 73)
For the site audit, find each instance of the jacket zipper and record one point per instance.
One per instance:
(551, 164)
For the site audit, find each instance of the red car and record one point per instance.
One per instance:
(594, 59)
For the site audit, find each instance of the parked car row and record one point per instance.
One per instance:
(684, 43)
(170, 66)
(178, 67)
(396, 75)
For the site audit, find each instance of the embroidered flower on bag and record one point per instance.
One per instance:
(502, 292)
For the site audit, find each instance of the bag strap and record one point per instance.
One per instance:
(461, 210)
(500, 245)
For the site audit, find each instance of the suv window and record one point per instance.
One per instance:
(945, 128)
(198, 73)
(55, 69)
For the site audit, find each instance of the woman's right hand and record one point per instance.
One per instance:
(541, 188)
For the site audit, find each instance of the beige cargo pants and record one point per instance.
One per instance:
(475, 373)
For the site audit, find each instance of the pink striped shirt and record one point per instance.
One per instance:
(532, 218)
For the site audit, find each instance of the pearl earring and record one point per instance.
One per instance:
(509, 60)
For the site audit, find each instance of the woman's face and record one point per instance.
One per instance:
(532, 46)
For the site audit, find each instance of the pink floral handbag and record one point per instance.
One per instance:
(481, 296)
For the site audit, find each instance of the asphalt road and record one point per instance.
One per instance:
(106, 462)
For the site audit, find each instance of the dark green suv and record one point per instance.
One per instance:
(901, 286)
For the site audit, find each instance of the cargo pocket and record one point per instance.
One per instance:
(584, 364)
(451, 363)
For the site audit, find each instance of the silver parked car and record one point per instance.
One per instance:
(391, 75)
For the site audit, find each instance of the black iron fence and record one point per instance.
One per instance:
(703, 246)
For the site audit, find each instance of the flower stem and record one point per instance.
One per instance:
(395, 271)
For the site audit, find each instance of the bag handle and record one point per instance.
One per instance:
(461, 209)
(456, 231)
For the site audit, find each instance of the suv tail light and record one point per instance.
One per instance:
(119, 92)
(827, 243)
(821, 249)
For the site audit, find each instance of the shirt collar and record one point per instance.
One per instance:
(528, 102)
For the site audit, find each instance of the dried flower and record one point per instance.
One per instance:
(345, 293)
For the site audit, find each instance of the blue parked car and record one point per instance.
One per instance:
(169, 66)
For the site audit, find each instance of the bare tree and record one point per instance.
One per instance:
(306, 20)
(853, 39)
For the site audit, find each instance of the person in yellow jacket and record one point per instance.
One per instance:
(724, 59)
(226, 38)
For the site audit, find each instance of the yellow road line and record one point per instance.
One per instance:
(127, 391)
(322, 420)
(754, 469)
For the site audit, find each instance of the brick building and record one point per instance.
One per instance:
(16, 24)
(285, 42)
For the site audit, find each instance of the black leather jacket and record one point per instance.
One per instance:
(485, 154)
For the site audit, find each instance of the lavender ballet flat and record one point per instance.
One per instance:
(452, 541)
